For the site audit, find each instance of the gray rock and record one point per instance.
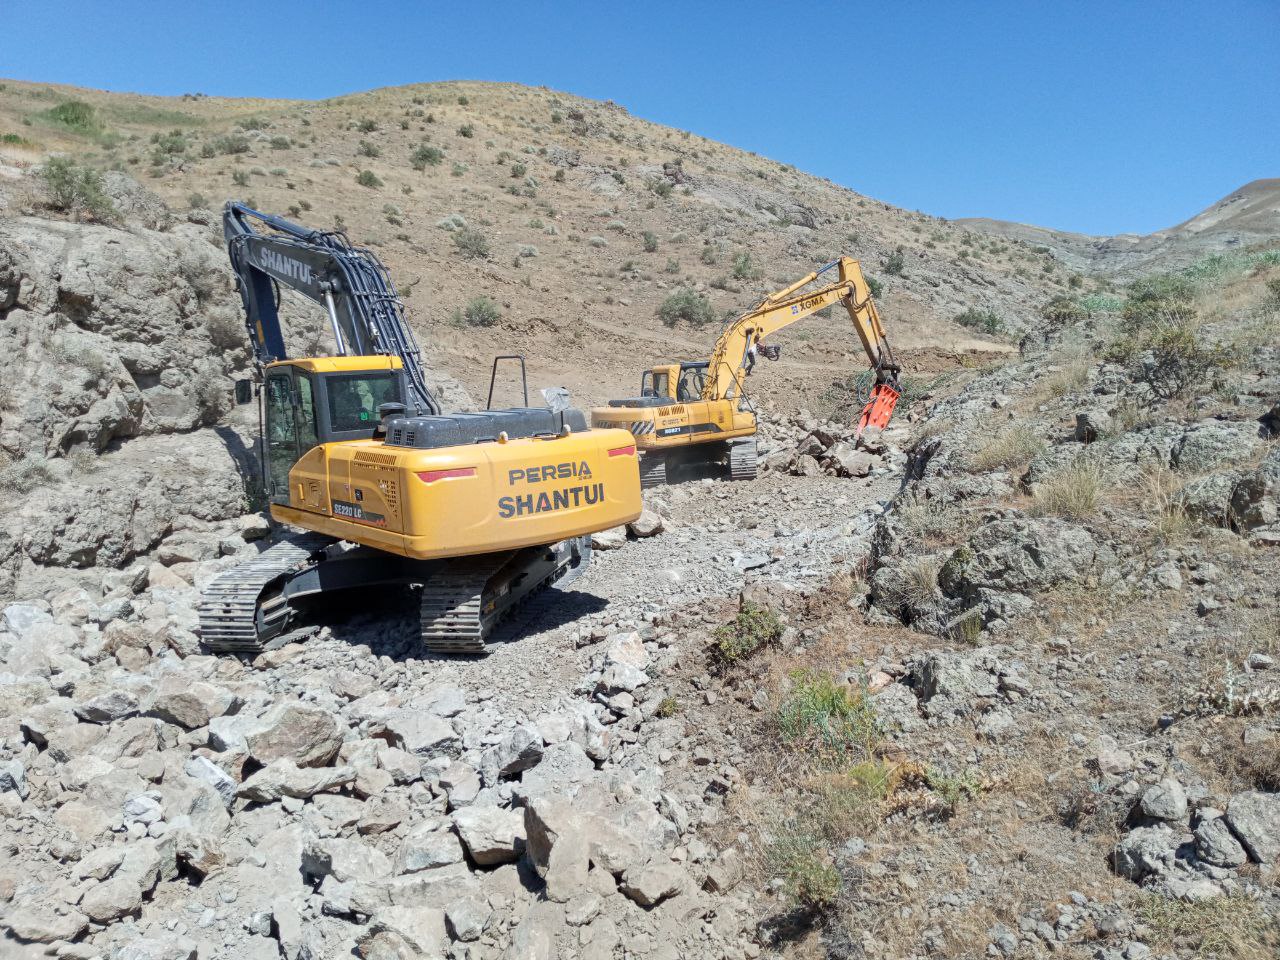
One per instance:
(164, 947)
(557, 846)
(107, 707)
(1255, 500)
(421, 928)
(1092, 425)
(420, 733)
(461, 784)
(344, 860)
(190, 704)
(1216, 844)
(648, 524)
(650, 883)
(1165, 800)
(37, 924)
(206, 771)
(614, 539)
(517, 751)
(307, 735)
(112, 899)
(491, 836)
(1210, 443)
(427, 849)
(1144, 851)
(13, 777)
(1254, 817)
(284, 778)
(467, 918)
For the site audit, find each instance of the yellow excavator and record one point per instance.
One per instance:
(698, 412)
(477, 511)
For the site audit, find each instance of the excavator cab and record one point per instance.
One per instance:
(674, 382)
(318, 400)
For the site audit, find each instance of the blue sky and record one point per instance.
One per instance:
(1103, 117)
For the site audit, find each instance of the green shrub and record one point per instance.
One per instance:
(281, 143)
(662, 188)
(76, 190)
(231, 143)
(367, 178)
(950, 789)
(471, 243)
(984, 320)
(367, 149)
(743, 268)
(467, 131)
(425, 156)
(518, 170)
(650, 241)
(686, 305)
(876, 286)
(709, 254)
(240, 178)
(746, 633)
(1063, 311)
(479, 312)
(1181, 360)
(830, 719)
(798, 858)
(673, 266)
(74, 115)
(895, 262)
(367, 126)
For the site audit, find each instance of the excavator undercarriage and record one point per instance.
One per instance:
(463, 602)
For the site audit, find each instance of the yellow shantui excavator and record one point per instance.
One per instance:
(699, 411)
(477, 511)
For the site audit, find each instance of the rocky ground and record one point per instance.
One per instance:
(1000, 681)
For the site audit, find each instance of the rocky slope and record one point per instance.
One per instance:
(1248, 215)
(999, 681)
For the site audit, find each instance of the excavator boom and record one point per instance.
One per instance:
(695, 411)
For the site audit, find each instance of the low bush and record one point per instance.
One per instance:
(686, 305)
(746, 633)
(471, 243)
(984, 320)
(426, 156)
(367, 178)
(76, 190)
(479, 312)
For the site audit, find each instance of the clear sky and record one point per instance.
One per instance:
(1103, 117)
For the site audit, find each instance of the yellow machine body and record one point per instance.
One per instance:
(452, 501)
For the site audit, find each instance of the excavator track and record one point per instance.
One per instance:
(653, 470)
(241, 611)
(464, 604)
(742, 460)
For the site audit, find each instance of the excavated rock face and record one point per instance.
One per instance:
(117, 427)
(117, 334)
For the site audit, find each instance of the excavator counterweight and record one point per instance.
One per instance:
(477, 511)
(699, 412)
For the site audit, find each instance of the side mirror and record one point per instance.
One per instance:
(244, 392)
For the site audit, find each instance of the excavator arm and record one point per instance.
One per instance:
(351, 283)
(730, 363)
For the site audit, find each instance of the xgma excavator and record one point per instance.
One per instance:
(476, 510)
(699, 411)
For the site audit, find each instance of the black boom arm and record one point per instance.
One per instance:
(349, 282)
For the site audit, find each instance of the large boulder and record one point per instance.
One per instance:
(307, 735)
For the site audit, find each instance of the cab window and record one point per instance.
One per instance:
(690, 388)
(655, 385)
(354, 399)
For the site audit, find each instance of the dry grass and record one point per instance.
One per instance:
(1012, 447)
(1073, 492)
(1070, 374)
(1225, 928)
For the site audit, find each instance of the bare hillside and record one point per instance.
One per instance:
(586, 217)
(1245, 216)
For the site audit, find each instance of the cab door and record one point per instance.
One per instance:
(290, 427)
